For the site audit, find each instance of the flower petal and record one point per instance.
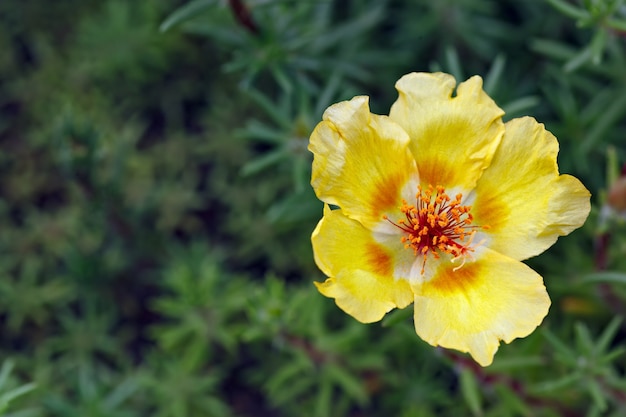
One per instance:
(452, 138)
(521, 196)
(494, 298)
(361, 161)
(360, 269)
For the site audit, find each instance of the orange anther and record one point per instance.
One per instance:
(435, 224)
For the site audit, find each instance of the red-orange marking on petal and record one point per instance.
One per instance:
(450, 282)
(379, 261)
(386, 193)
(491, 210)
(434, 170)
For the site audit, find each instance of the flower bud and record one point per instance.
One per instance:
(617, 195)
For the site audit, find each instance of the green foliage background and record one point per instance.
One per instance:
(155, 211)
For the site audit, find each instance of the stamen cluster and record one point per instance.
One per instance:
(436, 224)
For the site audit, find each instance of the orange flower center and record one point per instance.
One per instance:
(436, 224)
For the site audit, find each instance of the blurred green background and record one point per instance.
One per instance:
(155, 211)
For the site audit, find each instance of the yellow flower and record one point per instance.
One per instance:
(436, 205)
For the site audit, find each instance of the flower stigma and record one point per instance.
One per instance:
(437, 224)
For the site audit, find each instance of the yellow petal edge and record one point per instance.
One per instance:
(494, 298)
(453, 138)
(360, 161)
(522, 197)
(360, 270)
